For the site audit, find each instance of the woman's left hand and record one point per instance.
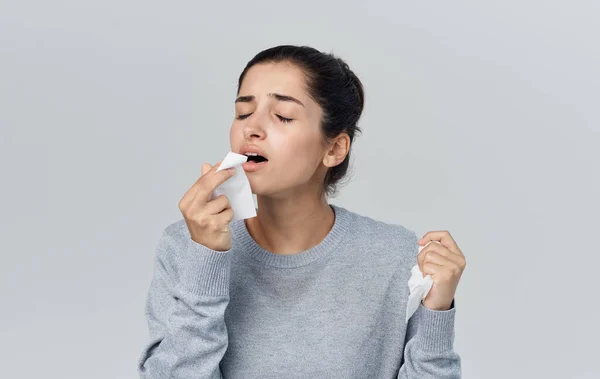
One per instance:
(445, 263)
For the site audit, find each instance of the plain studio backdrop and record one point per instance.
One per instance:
(481, 118)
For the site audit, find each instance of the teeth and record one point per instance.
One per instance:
(251, 154)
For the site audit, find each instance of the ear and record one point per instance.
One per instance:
(337, 150)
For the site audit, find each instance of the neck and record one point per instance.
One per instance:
(290, 225)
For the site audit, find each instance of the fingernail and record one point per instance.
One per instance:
(231, 170)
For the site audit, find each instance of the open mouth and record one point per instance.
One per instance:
(254, 163)
(253, 157)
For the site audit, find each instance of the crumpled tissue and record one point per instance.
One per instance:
(419, 287)
(237, 188)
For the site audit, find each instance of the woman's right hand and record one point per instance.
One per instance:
(206, 219)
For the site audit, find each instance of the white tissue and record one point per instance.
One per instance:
(419, 287)
(237, 188)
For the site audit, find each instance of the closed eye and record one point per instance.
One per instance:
(283, 119)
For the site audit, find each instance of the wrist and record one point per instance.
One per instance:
(437, 306)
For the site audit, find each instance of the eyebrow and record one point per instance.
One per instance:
(279, 97)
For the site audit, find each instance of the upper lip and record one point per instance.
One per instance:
(248, 148)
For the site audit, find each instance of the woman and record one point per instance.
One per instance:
(305, 289)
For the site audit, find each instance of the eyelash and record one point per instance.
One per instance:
(282, 119)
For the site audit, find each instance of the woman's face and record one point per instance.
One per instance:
(275, 117)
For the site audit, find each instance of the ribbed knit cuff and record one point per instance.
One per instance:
(436, 329)
(205, 271)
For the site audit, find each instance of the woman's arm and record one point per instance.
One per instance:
(428, 347)
(428, 350)
(185, 311)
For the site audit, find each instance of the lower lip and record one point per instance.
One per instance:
(253, 166)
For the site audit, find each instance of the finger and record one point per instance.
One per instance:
(217, 205)
(444, 237)
(211, 181)
(215, 167)
(421, 258)
(206, 168)
(191, 192)
(227, 215)
(438, 259)
(432, 269)
(224, 218)
(443, 251)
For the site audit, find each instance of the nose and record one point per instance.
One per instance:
(253, 127)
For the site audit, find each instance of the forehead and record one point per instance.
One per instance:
(282, 77)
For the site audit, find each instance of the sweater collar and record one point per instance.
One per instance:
(248, 245)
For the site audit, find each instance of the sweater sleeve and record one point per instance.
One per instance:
(429, 340)
(185, 309)
(428, 350)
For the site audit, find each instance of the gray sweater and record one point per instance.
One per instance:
(334, 311)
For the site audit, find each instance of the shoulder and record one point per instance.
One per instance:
(393, 242)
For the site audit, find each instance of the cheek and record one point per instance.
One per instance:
(236, 136)
(300, 152)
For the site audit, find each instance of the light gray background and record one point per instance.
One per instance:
(481, 118)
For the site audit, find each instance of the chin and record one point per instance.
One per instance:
(262, 189)
(256, 187)
(274, 188)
